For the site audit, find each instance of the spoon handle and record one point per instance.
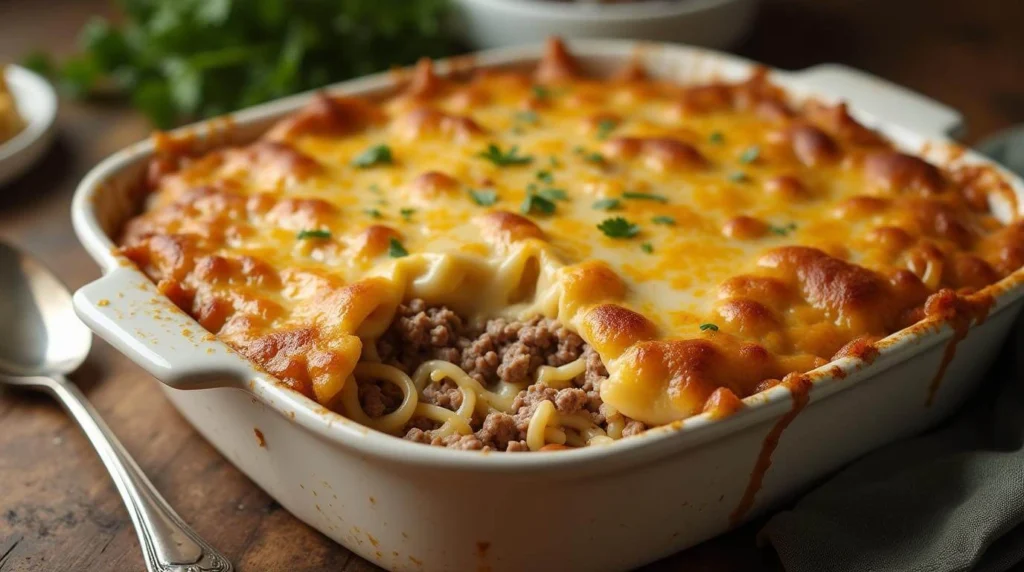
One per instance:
(168, 544)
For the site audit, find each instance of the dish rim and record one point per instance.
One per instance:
(610, 13)
(656, 442)
(22, 83)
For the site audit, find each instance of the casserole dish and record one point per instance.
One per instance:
(406, 506)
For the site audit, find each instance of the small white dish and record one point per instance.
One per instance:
(37, 104)
(707, 23)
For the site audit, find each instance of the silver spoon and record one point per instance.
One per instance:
(42, 342)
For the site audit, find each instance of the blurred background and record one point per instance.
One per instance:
(124, 68)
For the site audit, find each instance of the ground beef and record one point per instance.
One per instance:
(498, 350)
(420, 333)
(379, 397)
(444, 394)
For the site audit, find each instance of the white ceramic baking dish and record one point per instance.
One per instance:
(407, 506)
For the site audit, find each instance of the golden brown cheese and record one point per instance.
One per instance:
(705, 240)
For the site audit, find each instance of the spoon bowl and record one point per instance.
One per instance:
(42, 336)
(44, 341)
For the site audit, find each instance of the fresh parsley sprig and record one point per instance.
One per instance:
(376, 155)
(618, 227)
(483, 197)
(178, 60)
(494, 154)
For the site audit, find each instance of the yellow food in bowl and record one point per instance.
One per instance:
(10, 122)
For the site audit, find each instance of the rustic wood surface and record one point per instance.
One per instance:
(59, 510)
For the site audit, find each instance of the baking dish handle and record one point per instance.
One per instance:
(125, 309)
(885, 100)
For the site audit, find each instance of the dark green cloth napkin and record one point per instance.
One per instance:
(952, 499)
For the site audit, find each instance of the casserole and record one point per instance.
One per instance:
(658, 493)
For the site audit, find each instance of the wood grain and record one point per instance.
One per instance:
(59, 510)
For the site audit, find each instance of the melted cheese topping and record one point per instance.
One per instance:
(758, 237)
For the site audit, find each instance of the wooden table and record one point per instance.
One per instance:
(59, 510)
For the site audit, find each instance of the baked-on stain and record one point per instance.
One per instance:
(958, 311)
(799, 387)
(260, 440)
(481, 553)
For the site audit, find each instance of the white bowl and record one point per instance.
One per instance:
(37, 105)
(709, 23)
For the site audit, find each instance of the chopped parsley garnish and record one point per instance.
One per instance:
(605, 127)
(512, 157)
(555, 163)
(373, 213)
(554, 194)
(538, 203)
(644, 196)
(545, 176)
(738, 176)
(304, 234)
(484, 197)
(541, 92)
(708, 326)
(589, 156)
(750, 154)
(664, 219)
(716, 137)
(607, 204)
(783, 230)
(407, 213)
(618, 227)
(395, 249)
(375, 189)
(528, 116)
(376, 155)
(647, 247)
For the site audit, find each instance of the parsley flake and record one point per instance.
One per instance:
(647, 247)
(750, 154)
(607, 205)
(555, 163)
(708, 326)
(528, 116)
(618, 227)
(537, 203)
(512, 157)
(605, 127)
(738, 177)
(554, 194)
(664, 219)
(644, 196)
(783, 230)
(484, 197)
(306, 234)
(373, 213)
(716, 137)
(407, 213)
(375, 189)
(376, 155)
(395, 249)
(545, 176)
(541, 92)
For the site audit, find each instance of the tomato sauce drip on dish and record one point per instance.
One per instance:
(799, 387)
(958, 311)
